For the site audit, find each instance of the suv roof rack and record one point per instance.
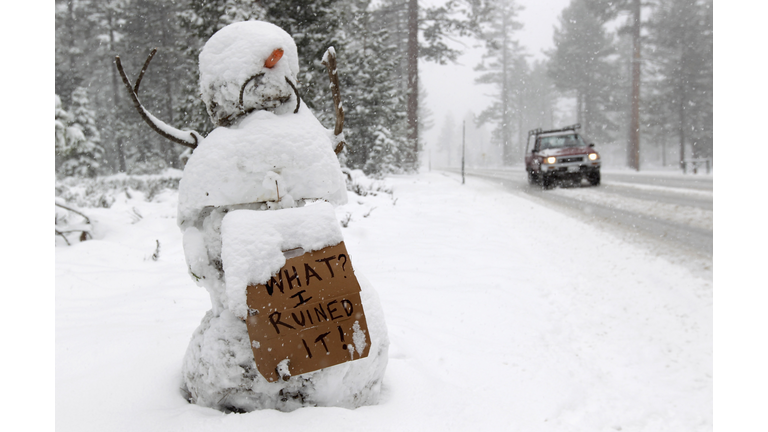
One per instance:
(538, 131)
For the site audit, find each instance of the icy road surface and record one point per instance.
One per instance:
(504, 314)
(667, 212)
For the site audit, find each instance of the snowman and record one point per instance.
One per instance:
(257, 194)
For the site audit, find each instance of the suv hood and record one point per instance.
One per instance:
(566, 151)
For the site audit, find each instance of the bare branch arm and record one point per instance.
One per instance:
(143, 69)
(329, 60)
(187, 139)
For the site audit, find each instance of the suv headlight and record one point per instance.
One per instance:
(550, 160)
(594, 156)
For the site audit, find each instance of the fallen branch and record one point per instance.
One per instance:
(88, 221)
(63, 236)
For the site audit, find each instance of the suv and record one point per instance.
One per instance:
(560, 154)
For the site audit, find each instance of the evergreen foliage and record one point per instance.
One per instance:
(680, 68)
(588, 63)
(580, 63)
(315, 25)
(78, 147)
(503, 66)
(374, 104)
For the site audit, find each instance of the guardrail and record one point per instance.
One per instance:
(696, 163)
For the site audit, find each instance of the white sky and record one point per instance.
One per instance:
(451, 88)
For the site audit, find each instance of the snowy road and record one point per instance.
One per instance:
(667, 212)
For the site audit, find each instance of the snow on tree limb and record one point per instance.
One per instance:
(186, 138)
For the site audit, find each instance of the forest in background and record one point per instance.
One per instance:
(98, 131)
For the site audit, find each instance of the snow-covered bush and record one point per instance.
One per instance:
(78, 142)
(101, 191)
(72, 225)
(362, 185)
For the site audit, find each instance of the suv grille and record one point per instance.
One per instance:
(571, 159)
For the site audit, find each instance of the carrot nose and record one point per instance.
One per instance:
(274, 58)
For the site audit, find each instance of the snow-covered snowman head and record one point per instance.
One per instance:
(248, 66)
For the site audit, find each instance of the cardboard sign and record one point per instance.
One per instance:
(308, 316)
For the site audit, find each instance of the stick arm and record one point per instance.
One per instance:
(329, 60)
(186, 138)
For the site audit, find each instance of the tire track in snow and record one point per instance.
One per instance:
(687, 227)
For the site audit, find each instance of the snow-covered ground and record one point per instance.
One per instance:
(503, 315)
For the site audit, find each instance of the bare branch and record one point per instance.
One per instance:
(329, 60)
(88, 221)
(62, 236)
(143, 69)
(153, 122)
(298, 99)
(241, 105)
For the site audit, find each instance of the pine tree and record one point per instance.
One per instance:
(315, 25)
(606, 10)
(540, 99)
(680, 32)
(155, 24)
(447, 143)
(420, 33)
(504, 66)
(106, 19)
(374, 104)
(198, 21)
(580, 63)
(63, 119)
(81, 152)
(69, 47)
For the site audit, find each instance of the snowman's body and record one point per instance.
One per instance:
(272, 154)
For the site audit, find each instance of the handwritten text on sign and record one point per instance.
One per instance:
(309, 313)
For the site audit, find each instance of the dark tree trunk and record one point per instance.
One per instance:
(634, 127)
(413, 79)
(116, 91)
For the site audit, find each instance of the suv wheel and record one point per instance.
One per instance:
(546, 181)
(532, 178)
(594, 178)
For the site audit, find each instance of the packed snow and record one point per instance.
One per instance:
(234, 57)
(253, 244)
(243, 201)
(287, 156)
(502, 314)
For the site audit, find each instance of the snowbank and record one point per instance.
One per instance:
(484, 336)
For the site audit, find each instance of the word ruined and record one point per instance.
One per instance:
(309, 313)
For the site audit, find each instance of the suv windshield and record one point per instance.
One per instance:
(560, 141)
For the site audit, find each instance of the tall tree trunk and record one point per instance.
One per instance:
(579, 107)
(170, 159)
(71, 26)
(681, 124)
(506, 136)
(520, 147)
(634, 127)
(413, 80)
(169, 156)
(681, 95)
(116, 91)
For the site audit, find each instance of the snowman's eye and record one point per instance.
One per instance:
(274, 58)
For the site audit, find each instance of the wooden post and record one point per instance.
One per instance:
(463, 128)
